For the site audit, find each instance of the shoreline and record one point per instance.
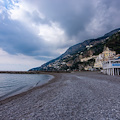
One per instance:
(32, 72)
(55, 77)
(79, 95)
(9, 98)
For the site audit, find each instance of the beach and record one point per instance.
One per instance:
(68, 96)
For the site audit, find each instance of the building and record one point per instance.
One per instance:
(98, 61)
(69, 63)
(111, 67)
(89, 46)
(106, 55)
(87, 58)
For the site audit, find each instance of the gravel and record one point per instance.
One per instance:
(70, 96)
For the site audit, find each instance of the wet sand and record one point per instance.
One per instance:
(69, 96)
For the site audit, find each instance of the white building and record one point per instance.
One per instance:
(111, 67)
(98, 61)
(89, 46)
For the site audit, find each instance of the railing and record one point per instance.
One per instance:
(111, 64)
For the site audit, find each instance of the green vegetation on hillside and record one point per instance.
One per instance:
(82, 65)
(97, 49)
(114, 42)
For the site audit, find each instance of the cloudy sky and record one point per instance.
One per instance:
(33, 32)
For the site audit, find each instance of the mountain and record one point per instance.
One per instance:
(82, 50)
(114, 42)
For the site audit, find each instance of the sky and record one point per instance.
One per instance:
(33, 32)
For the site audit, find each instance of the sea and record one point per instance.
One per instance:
(12, 84)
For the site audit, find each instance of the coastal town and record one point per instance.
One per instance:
(107, 62)
(59, 59)
(100, 54)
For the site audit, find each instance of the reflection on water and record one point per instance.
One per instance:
(16, 83)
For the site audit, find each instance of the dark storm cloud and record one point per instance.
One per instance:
(73, 15)
(76, 16)
(15, 39)
(80, 20)
(111, 3)
(111, 14)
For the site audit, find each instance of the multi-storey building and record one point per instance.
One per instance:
(111, 67)
(106, 55)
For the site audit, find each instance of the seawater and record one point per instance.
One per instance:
(11, 84)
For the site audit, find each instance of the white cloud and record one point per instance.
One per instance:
(19, 11)
(17, 62)
(24, 12)
(52, 34)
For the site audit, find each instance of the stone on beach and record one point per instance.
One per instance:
(70, 96)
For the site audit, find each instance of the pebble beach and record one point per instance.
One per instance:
(69, 96)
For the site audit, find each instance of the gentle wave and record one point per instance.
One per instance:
(11, 84)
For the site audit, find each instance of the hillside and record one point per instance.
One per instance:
(81, 46)
(71, 59)
(114, 42)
